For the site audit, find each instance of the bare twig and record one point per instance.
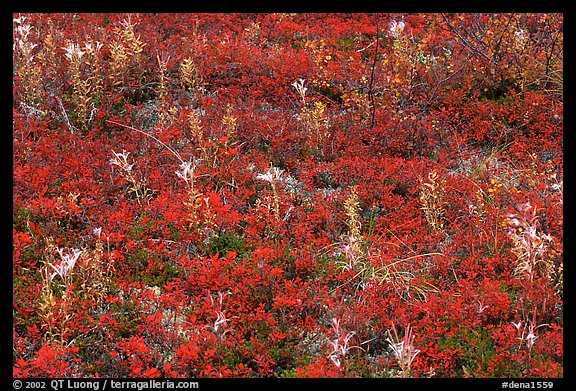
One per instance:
(433, 95)
(71, 127)
(152, 137)
(371, 85)
(468, 45)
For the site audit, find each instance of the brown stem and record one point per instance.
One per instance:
(370, 86)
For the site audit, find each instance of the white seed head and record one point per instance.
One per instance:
(186, 171)
(121, 160)
(68, 261)
(20, 19)
(395, 29)
(274, 174)
(299, 86)
(24, 30)
(73, 52)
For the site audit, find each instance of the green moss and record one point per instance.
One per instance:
(153, 269)
(261, 294)
(22, 286)
(225, 242)
(119, 108)
(346, 44)
(71, 224)
(475, 350)
(324, 265)
(231, 358)
(498, 92)
(140, 229)
(173, 232)
(139, 258)
(284, 354)
(287, 373)
(290, 372)
(332, 93)
(21, 217)
(326, 180)
(160, 275)
(127, 314)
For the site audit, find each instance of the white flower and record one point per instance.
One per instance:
(93, 48)
(339, 345)
(24, 30)
(186, 171)
(402, 352)
(67, 264)
(520, 38)
(530, 340)
(514, 221)
(299, 86)
(334, 358)
(26, 47)
(397, 348)
(73, 52)
(220, 319)
(272, 175)
(396, 28)
(558, 183)
(121, 160)
(19, 19)
(97, 231)
(481, 307)
(531, 232)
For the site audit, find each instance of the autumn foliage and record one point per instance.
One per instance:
(287, 195)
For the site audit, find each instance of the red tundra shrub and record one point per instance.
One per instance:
(287, 195)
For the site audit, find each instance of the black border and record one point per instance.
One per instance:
(215, 6)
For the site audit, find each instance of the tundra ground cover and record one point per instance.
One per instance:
(287, 195)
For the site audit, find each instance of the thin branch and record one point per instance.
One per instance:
(149, 135)
(464, 41)
(549, 58)
(497, 47)
(370, 86)
(472, 34)
(433, 95)
(71, 127)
